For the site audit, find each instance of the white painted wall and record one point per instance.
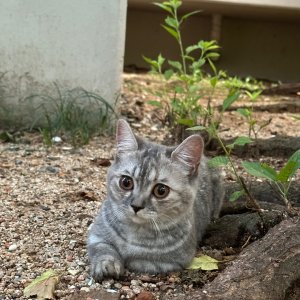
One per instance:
(73, 42)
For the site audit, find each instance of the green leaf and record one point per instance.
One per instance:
(190, 49)
(172, 22)
(260, 170)
(245, 112)
(212, 65)
(296, 157)
(240, 141)
(232, 97)
(236, 195)
(203, 262)
(253, 95)
(43, 286)
(213, 81)
(213, 55)
(160, 60)
(218, 161)
(186, 16)
(164, 7)
(171, 31)
(168, 74)
(198, 127)
(287, 171)
(179, 89)
(194, 88)
(155, 103)
(187, 122)
(198, 64)
(152, 63)
(175, 64)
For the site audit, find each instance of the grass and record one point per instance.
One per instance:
(75, 115)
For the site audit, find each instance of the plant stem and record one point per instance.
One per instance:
(180, 42)
(240, 180)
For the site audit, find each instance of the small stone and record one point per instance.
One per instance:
(145, 296)
(85, 289)
(57, 139)
(52, 169)
(136, 125)
(118, 285)
(12, 247)
(135, 282)
(69, 258)
(73, 272)
(80, 278)
(127, 292)
(107, 283)
(81, 263)
(136, 289)
(72, 244)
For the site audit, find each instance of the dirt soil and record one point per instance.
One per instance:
(49, 197)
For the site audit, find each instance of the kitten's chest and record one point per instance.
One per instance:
(149, 242)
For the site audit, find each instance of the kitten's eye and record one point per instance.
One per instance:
(161, 191)
(126, 183)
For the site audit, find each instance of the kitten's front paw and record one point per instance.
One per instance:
(106, 266)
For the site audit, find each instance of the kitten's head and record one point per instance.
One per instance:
(150, 182)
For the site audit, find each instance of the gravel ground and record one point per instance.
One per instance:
(48, 198)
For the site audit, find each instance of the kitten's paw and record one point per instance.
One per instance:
(106, 266)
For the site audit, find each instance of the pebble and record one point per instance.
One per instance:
(127, 292)
(118, 285)
(12, 247)
(56, 139)
(81, 263)
(135, 282)
(73, 272)
(69, 258)
(145, 296)
(107, 283)
(81, 278)
(72, 244)
(85, 289)
(52, 169)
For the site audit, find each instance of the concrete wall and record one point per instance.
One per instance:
(75, 43)
(260, 41)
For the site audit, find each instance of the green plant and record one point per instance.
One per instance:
(254, 125)
(181, 101)
(226, 161)
(75, 114)
(280, 181)
(250, 84)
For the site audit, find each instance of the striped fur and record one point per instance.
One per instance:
(163, 235)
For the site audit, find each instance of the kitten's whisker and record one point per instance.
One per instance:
(156, 227)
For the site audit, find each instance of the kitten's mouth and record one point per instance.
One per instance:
(138, 219)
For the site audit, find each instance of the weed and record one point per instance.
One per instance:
(75, 114)
(280, 181)
(254, 125)
(181, 102)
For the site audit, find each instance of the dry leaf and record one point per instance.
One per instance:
(43, 286)
(102, 162)
(90, 196)
(204, 262)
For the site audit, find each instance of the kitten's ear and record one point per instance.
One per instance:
(126, 140)
(189, 152)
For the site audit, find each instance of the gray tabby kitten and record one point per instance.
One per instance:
(159, 203)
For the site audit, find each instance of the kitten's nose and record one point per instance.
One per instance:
(136, 208)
